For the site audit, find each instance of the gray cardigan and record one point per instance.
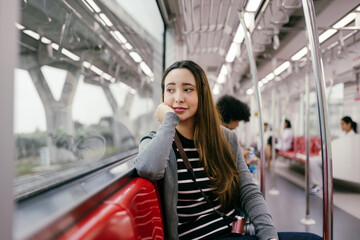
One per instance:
(156, 160)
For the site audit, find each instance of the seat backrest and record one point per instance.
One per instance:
(133, 212)
(300, 144)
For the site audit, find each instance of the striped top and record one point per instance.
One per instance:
(197, 220)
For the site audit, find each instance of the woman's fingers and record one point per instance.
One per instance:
(161, 110)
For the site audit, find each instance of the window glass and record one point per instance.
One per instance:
(27, 104)
(314, 129)
(335, 108)
(55, 79)
(83, 86)
(119, 91)
(148, 16)
(335, 98)
(90, 104)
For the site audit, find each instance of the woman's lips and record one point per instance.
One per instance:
(179, 109)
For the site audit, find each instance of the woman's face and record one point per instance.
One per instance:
(181, 93)
(345, 126)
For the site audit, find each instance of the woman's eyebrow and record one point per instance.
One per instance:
(183, 84)
(186, 84)
(170, 83)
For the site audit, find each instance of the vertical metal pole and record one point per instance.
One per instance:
(307, 143)
(258, 99)
(311, 27)
(273, 190)
(8, 49)
(307, 220)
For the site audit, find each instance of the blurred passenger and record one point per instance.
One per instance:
(267, 132)
(232, 111)
(349, 129)
(348, 126)
(221, 176)
(284, 140)
(267, 142)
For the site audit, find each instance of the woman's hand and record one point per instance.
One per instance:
(161, 110)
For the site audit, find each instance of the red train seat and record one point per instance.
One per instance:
(133, 212)
(298, 153)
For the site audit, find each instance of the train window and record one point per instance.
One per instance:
(146, 14)
(335, 108)
(335, 98)
(83, 86)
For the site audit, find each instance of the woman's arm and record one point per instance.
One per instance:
(154, 149)
(251, 199)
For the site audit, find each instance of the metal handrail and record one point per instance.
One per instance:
(253, 69)
(310, 19)
(307, 220)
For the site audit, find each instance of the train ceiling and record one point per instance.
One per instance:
(207, 29)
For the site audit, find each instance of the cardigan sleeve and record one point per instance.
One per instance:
(252, 201)
(154, 149)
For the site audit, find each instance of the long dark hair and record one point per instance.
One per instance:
(214, 151)
(288, 123)
(348, 120)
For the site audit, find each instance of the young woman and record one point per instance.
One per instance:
(348, 126)
(285, 139)
(215, 156)
(349, 129)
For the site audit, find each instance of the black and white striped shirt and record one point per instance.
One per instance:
(197, 220)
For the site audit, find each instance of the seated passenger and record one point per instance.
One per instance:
(267, 142)
(349, 128)
(284, 139)
(232, 111)
(283, 142)
(221, 176)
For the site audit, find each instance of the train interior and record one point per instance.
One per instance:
(83, 83)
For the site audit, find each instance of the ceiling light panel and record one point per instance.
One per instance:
(96, 70)
(281, 68)
(234, 49)
(345, 20)
(135, 56)
(146, 69)
(70, 54)
(32, 34)
(326, 35)
(94, 5)
(45, 40)
(216, 89)
(239, 36)
(301, 53)
(253, 5)
(106, 19)
(88, 6)
(19, 26)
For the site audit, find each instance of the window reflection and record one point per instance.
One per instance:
(81, 96)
